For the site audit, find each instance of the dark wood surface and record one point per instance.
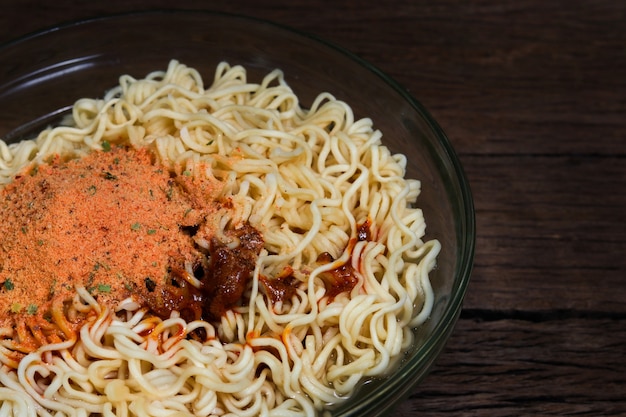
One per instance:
(532, 94)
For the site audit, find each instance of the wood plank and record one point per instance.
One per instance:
(499, 78)
(512, 367)
(495, 75)
(551, 233)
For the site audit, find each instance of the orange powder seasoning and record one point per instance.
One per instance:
(113, 222)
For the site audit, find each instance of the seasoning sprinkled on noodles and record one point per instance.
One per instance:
(205, 251)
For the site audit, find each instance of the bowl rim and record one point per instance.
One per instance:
(466, 244)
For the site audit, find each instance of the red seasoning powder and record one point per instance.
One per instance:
(113, 222)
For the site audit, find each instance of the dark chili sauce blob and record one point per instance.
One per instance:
(229, 271)
(337, 280)
(364, 231)
(179, 296)
(224, 274)
(281, 287)
(344, 277)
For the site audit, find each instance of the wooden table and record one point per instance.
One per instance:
(532, 94)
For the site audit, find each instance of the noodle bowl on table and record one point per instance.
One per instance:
(205, 251)
(222, 217)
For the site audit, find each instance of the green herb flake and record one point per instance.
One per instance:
(169, 193)
(135, 226)
(16, 308)
(8, 284)
(104, 288)
(90, 281)
(108, 176)
(32, 309)
(187, 173)
(52, 289)
(104, 265)
(106, 146)
(91, 190)
(151, 231)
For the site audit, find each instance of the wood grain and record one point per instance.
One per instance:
(518, 366)
(532, 94)
(550, 228)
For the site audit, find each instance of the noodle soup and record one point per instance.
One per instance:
(206, 250)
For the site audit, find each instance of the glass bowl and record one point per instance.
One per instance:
(44, 73)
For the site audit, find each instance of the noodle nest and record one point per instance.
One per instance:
(308, 179)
